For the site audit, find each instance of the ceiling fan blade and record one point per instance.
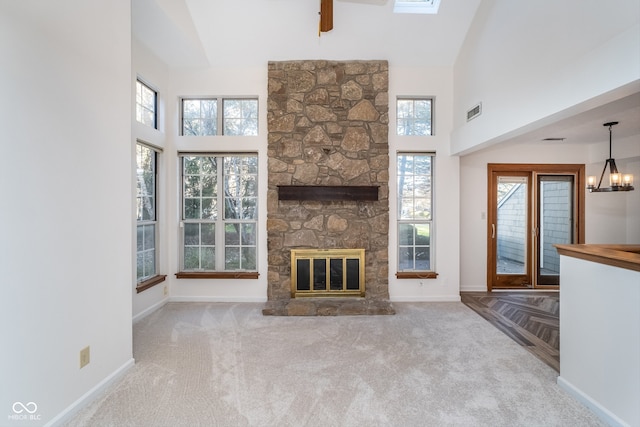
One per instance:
(326, 15)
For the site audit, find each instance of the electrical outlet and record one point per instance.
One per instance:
(166, 290)
(85, 356)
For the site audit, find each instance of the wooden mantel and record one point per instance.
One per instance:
(622, 256)
(328, 192)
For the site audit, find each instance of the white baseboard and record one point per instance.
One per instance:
(444, 298)
(148, 311)
(216, 299)
(603, 413)
(474, 289)
(89, 396)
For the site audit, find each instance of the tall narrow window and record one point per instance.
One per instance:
(414, 116)
(146, 252)
(146, 105)
(415, 211)
(219, 212)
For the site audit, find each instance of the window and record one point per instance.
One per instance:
(415, 211)
(239, 117)
(146, 217)
(199, 117)
(146, 105)
(219, 212)
(414, 116)
(416, 6)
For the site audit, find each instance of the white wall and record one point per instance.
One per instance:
(435, 82)
(65, 184)
(527, 62)
(600, 338)
(154, 73)
(246, 81)
(607, 216)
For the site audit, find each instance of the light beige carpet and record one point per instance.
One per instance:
(432, 364)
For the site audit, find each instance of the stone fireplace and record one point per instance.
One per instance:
(328, 173)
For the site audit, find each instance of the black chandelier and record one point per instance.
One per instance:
(617, 180)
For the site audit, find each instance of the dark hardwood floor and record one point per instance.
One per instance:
(529, 318)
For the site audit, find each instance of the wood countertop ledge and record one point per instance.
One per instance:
(622, 256)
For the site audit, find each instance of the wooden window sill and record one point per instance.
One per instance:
(417, 275)
(151, 282)
(217, 275)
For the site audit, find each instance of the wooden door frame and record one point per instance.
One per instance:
(578, 170)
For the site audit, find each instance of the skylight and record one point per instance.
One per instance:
(416, 6)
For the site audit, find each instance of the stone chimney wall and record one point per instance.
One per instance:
(328, 124)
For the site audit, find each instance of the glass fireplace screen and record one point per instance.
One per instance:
(327, 272)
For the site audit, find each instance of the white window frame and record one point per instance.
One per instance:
(242, 117)
(142, 222)
(417, 6)
(141, 107)
(219, 221)
(404, 220)
(221, 119)
(413, 118)
(217, 118)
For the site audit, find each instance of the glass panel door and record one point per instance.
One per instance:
(510, 231)
(531, 208)
(555, 224)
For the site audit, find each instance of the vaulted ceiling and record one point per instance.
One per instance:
(186, 33)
